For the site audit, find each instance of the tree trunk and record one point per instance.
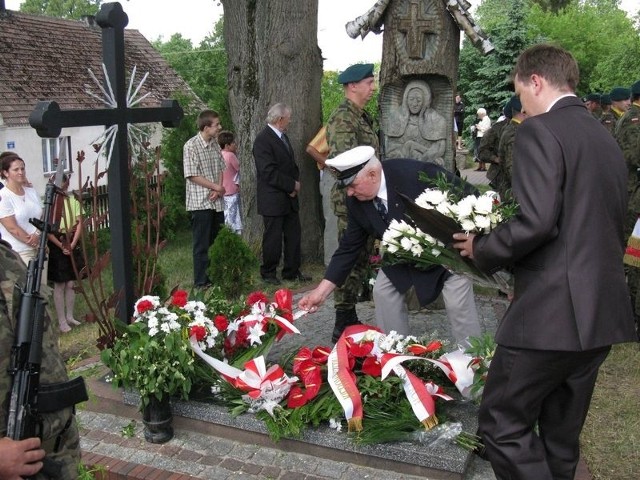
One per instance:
(273, 57)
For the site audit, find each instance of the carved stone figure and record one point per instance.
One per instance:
(420, 52)
(415, 129)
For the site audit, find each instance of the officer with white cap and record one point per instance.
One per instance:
(373, 200)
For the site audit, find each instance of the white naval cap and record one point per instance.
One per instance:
(346, 166)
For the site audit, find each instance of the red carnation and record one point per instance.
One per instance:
(256, 297)
(198, 331)
(221, 322)
(179, 298)
(144, 305)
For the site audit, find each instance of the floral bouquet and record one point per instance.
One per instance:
(152, 354)
(235, 349)
(436, 215)
(385, 386)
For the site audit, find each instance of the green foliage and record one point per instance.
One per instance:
(232, 264)
(71, 9)
(92, 472)
(158, 365)
(599, 35)
(485, 81)
(173, 140)
(204, 68)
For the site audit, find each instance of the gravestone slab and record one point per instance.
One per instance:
(442, 461)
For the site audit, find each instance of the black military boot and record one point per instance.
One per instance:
(344, 318)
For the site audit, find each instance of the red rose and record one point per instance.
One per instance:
(256, 297)
(221, 322)
(144, 306)
(179, 298)
(198, 331)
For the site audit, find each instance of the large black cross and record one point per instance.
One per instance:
(48, 120)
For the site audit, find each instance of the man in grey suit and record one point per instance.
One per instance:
(570, 301)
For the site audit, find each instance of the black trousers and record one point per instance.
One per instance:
(550, 389)
(279, 231)
(205, 225)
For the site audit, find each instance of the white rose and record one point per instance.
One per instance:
(406, 244)
(482, 222)
(465, 206)
(392, 248)
(468, 225)
(416, 250)
(484, 205)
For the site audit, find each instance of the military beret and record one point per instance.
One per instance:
(506, 110)
(635, 88)
(620, 93)
(355, 73)
(593, 97)
(346, 166)
(516, 104)
(605, 99)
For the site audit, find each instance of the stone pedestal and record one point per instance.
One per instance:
(443, 461)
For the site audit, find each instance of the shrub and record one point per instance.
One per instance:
(232, 264)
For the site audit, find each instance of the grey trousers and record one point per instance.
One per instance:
(330, 219)
(457, 292)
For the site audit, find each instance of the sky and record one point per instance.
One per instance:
(194, 19)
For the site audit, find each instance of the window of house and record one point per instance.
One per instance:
(54, 149)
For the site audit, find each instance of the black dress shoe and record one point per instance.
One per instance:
(301, 277)
(271, 280)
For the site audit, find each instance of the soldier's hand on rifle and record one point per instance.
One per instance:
(20, 458)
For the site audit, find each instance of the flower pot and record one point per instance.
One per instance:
(157, 419)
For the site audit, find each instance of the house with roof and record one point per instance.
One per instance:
(46, 58)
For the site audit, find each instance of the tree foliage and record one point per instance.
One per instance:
(70, 9)
(602, 38)
(204, 68)
(599, 35)
(485, 81)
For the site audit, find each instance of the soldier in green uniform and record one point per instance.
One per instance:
(627, 134)
(592, 102)
(607, 119)
(488, 149)
(60, 438)
(620, 101)
(505, 147)
(350, 126)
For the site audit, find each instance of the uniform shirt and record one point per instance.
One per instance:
(349, 126)
(204, 160)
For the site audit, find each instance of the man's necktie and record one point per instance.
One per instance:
(382, 210)
(286, 141)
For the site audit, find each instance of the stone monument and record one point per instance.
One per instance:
(418, 73)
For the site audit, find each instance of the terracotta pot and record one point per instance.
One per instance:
(157, 419)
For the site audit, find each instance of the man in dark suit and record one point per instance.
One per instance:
(277, 197)
(570, 301)
(370, 183)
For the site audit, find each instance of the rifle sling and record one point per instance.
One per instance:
(58, 396)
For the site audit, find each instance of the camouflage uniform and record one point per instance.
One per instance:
(627, 134)
(505, 152)
(608, 120)
(59, 427)
(488, 152)
(349, 126)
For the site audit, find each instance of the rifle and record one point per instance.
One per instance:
(24, 416)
